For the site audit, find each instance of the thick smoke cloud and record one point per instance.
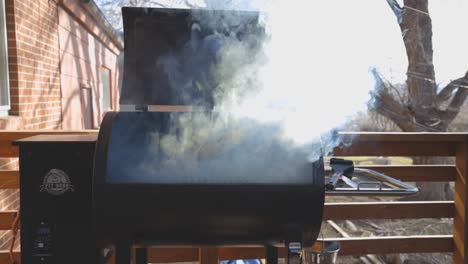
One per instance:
(210, 149)
(274, 95)
(220, 61)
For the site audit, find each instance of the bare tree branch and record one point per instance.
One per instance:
(397, 10)
(457, 102)
(446, 92)
(389, 86)
(402, 115)
(190, 5)
(385, 104)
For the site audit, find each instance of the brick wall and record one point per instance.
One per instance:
(55, 49)
(34, 63)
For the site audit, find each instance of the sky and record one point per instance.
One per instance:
(321, 52)
(449, 20)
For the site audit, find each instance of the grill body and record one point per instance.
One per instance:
(201, 213)
(134, 201)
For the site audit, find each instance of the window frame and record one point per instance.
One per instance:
(90, 89)
(4, 71)
(101, 89)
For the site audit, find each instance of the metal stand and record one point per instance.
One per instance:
(123, 252)
(271, 255)
(294, 253)
(141, 255)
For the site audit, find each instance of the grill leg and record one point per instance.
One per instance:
(271, 255)
(123, 252)
(294, 253)
(141, 255)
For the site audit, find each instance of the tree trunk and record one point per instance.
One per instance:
(421, 108)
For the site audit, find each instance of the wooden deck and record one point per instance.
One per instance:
(363, 144)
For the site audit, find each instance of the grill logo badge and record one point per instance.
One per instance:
(56, 182)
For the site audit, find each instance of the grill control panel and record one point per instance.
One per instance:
(42, 243)
(55, 191)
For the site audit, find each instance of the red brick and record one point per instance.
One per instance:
(35, 92)
(44, 118)
(40, 85)
(22, 44)
(39, 98)
(36, 66)
(26, 49)
(41, 112)
(37, 74)
(48, 77)
(27, 13)
(19, 22)
(23, 107)
(40, 3)
(32, 60)
(37, 39)
(43, 125)
(37, 28)
(31, 70)
(28, 25)
(37, 31)
(48, 12)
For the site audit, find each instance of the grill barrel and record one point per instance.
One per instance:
(184, 213)
(131, 205)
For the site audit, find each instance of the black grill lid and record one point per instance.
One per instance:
(170, 54)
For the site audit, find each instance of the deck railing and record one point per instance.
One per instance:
(363, 144)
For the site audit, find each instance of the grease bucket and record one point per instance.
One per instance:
(321, 253)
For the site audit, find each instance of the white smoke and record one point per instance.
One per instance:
(316, 76)
(275, 111)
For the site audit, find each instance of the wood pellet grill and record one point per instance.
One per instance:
(80, 203)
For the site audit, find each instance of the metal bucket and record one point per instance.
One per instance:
(322, 252)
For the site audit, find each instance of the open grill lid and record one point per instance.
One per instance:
(171, 54)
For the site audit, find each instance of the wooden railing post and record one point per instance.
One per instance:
(208, 255)
(460, 197)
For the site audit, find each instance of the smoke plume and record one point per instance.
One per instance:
(275, 93)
